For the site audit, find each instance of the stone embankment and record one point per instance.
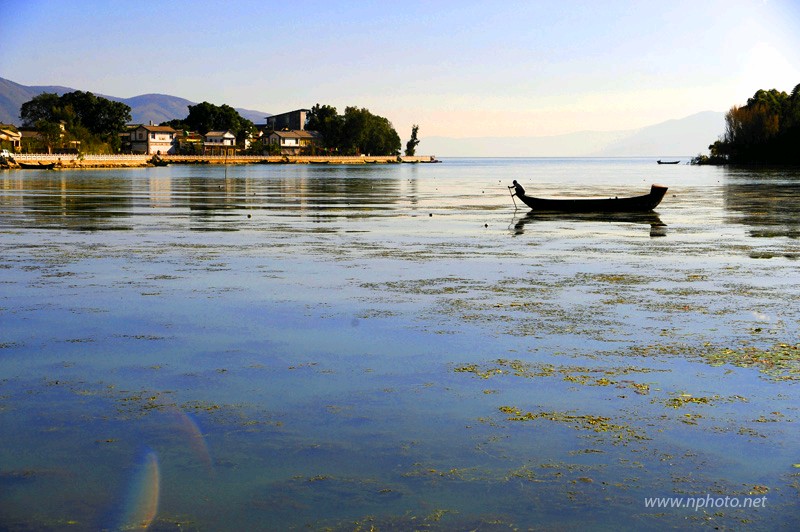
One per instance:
(134, 161)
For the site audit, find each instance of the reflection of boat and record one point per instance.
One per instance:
(645, 203)
(37, 166)
(667, 162)
(657, 227)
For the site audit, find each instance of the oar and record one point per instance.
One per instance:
(512, 198)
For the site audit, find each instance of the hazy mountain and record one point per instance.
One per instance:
(687, 136)
(146, 108)
(684, 137)
(13, 95)
(580, 144)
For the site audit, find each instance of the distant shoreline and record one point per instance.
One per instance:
(69, 161)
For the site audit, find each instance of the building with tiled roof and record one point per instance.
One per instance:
(153, 140)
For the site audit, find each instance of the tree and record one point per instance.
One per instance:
(205, 117)
(45, 106)
(357, 131)
(411, 145)
(365, 133)
(98, 115)
(90, 119)
(765, 130)
(177, 124)
(50, 133)
(326, 121)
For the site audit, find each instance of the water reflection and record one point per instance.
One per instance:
(236, 356)
(657, 227)
(48, 200)
(120, 200)
(769, 209)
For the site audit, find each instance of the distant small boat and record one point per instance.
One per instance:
(37, 166)
(644, 203)
(667, 162)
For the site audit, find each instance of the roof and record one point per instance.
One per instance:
(297, 134)
(220, 134)
(158, 129)
(289, 113)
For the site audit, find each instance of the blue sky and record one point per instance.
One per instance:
(457, 68)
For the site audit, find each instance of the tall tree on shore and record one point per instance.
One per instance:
(325, 120)
(46, 106)
(765, 130)
(365, 133)
(99, 115)
(205, 117)
(357, 131)
(84, 117)
(411, 145)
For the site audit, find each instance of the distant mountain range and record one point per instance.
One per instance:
(155, 108)
(674, 138)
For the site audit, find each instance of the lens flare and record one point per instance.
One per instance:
(197, 442)
(142, 500)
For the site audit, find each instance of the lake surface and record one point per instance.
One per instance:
(276, 347)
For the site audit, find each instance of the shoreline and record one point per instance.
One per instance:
(143, 161)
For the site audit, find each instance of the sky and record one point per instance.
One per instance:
(461, 68)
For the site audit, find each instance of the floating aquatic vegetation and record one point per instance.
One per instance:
(616, 278)
(581, 375)
(779, 363)
(599, 424)
(685, 398)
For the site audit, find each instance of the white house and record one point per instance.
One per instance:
(11, 136)
(152, 140)
(294, 142)
(220, 143)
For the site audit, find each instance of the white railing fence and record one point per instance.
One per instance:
(71, 157)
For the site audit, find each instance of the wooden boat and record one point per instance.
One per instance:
(667, 162)
(645, 203)
(37, 166)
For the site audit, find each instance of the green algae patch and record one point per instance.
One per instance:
(614, 278)
(780, 362)
(580, 375)
(620, 432)
(467, 474)
(683, 399)
(476, 370)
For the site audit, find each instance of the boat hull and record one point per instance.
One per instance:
(37, 166)
(645, 203)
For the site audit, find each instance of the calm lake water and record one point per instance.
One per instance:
(275, 347)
